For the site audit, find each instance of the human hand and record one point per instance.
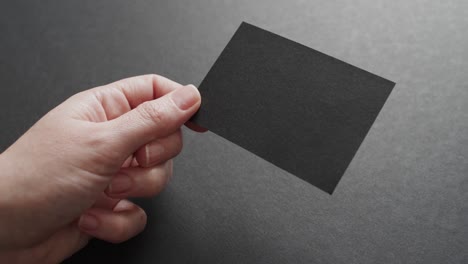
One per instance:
(67, 178)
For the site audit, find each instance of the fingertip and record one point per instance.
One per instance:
(198, 95)
(186, 98)
(125, 205)
(118, 225)
(191, 125)
(160, 150)
(192, 86)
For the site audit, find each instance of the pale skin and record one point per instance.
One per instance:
(68, 178)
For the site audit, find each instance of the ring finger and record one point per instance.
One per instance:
(140, 182)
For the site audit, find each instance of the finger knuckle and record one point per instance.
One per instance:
(157, 183)
(98, 136)
(151, 112)
(156, 80)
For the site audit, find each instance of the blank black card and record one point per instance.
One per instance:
(302, 110)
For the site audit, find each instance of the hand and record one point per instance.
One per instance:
(67, 178)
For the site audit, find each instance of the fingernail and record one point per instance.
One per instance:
(120, 184)
(153, 153)
(185, 97)
(88, 222)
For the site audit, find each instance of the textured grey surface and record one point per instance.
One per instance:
(404, 198)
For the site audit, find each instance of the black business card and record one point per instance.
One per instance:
(300, 109)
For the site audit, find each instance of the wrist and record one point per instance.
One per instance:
(11, 213)
(5, 202)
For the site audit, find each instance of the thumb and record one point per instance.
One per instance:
(154, 119)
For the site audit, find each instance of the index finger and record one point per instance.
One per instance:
(120, 97)
(141, 88)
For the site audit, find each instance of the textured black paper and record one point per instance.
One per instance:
(302, 110)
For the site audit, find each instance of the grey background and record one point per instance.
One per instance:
(402, 200)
